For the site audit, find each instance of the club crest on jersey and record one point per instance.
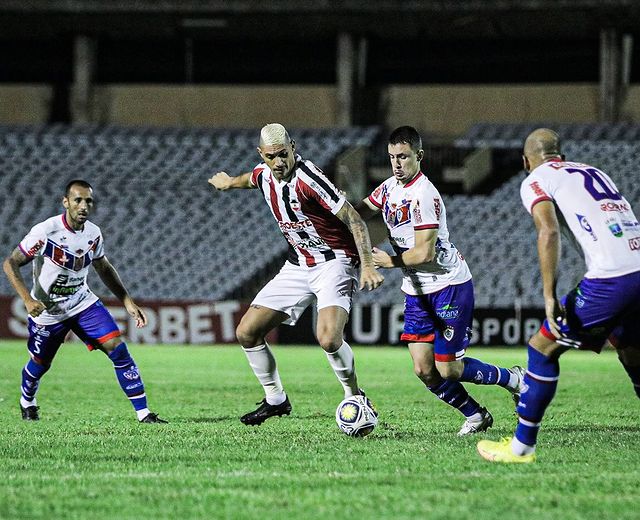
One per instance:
(448, 333)
(584, 224)
(396, 215)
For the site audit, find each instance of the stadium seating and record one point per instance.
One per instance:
(171, 236)
(168, 232)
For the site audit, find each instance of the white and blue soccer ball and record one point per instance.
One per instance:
(356, 416)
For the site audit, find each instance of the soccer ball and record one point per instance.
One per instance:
(356, 416)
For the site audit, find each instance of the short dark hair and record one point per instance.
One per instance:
(76, 182)
(406, 134)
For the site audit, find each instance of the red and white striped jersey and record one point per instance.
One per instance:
(305, 209)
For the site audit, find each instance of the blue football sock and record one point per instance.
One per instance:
(454, 394)
(31, 374)
(634, 375)
(541, 381)
(480, 373)
(128, 376)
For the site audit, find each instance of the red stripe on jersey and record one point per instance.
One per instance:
(254, 175)
(273, 197)
(414, 180)
(445, 358)
(374, 202)
(540, 199)
(418, 338)
(426, 226)
(329, 227)
(66, 224)
(547, 333)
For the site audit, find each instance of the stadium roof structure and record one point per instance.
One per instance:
(445, 19)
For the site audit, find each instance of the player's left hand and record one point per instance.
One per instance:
(370, 279)
(135, 312)
(555, 315)
(381, 258)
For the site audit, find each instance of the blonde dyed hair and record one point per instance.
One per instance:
(274, 134)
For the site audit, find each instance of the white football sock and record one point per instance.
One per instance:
(519, 448)
(142, 413)
(263, 364)
(344, 367)
(26, 404)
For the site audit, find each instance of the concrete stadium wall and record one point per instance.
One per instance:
(25, 103)
(221, 106)
(451, 109)
(443, 109)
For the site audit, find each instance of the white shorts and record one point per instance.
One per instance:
(294, 288)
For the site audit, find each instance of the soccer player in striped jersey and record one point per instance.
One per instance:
(437, 284)
(327, 242)
(585, 204)
(62, 248)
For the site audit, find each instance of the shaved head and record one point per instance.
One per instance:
(541, 145)
(543, 142)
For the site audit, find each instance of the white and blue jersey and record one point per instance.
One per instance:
(61, 259)
(414, 206)
(593, 210)
(606, 303)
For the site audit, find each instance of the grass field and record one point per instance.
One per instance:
(89, 458)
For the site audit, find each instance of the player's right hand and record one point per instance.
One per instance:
(34, 307)
(370, 278)
(220, 181)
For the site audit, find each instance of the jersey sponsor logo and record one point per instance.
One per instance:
(293, 226)
(397, 215)
(37, 247)
(614, 227)
(584, 224)
(437, 207)
(535, 186)
(377, 192)
(634, 244)
(630, 224)
(311, 243)
(614, 206)
(448, 312)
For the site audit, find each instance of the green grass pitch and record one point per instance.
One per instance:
(89, 458)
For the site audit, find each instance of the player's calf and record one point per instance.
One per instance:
(130, 381)
(31, 375)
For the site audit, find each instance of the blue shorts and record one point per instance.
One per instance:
(443, 318)
(94, 326)
(601, 308)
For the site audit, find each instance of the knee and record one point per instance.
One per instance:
(428, 375)
(329, 341)
(247, 336)
(109, 346)
(451, 370)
